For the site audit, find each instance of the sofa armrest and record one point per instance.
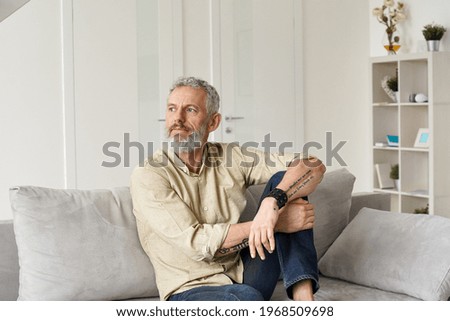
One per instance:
(9, 263)
(379, 201)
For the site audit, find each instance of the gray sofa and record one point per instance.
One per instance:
(83, 245)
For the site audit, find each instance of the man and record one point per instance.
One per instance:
(188, 200)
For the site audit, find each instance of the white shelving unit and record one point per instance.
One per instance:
(424, 172)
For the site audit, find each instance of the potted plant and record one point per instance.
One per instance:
(421, 210)
(433, 34)
(395, 175)
(392, 83)
(390, 86)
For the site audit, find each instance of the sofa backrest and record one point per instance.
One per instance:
(9, 263)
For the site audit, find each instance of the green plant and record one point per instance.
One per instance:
(433, 31)
(394, 172)
(423, 210)
(392, 83)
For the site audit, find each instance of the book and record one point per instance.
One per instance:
(383, 170)
(392, 140)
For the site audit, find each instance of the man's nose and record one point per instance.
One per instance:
(179, 116)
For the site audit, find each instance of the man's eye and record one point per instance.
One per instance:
(171, 109)
(191, 110)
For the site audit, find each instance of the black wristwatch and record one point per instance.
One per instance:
(279, 195)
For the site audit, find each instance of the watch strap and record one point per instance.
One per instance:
(280, 196)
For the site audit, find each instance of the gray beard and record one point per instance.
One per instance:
(188, 145)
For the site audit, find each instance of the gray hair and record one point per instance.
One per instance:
(212, 97)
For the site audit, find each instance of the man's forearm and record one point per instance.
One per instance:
(236, 239)
(302, 177)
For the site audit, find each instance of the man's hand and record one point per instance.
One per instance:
(262, 228)
(297, 216)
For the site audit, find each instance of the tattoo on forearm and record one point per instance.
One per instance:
(301, 186)
(235, 248)
(224, 251)
(302, 177)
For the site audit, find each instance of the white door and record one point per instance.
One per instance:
(257, 69)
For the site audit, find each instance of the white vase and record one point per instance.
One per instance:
(391, 42)
(397, 96)
(397, 184)
(433, 45)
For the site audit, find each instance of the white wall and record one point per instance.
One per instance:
(336, 50)
(419, 13)
(31, 114)
(106, 90)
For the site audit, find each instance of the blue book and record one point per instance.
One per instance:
(392, 140)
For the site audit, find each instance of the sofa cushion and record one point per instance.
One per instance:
(79, 245)
(403, 253)
(332, 200)
(338, 290)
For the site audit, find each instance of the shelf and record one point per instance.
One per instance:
(409, 104)
(385, 104)
(387, 191)
(403, 149)
(414, 149)
(401, 104)
(424, 172)
(420, 194)
(390, 148)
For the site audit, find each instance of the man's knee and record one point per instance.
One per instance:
(276, 178)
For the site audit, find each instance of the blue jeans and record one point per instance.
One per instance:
(294, 257)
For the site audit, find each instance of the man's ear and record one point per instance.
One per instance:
(214, 122)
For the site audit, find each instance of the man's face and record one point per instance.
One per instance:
(187, 118)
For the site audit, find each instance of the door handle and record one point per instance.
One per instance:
(231, 118)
